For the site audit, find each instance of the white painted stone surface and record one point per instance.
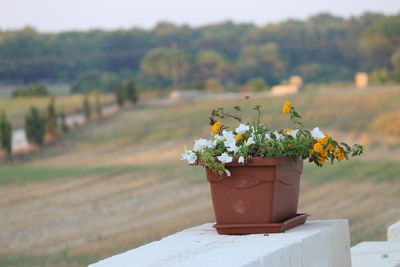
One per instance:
(376, 254)
(393, 233)
(314, 244)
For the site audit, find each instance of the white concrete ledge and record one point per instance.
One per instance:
(314, 244)
(376, 254)
(393, 233)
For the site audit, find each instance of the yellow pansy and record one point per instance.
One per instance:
(318, 147)
(287, 107)
(331, 147)
(324, 153)
(239, 137)
(216, 127)
(321, 160)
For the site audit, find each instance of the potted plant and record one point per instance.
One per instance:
(254, 172)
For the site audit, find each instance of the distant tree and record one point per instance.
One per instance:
(87, 109)
(120, 95)
(214, 85)
(396, 60)
(131, 92)
(97, 105)
(257, 84)
(51, 118)
(379, 41)
(63, 121)
(31, 90)
(5, 134)
(35, 127)
(163, 62)
(263, 61)
(212, 64)
(92, 80)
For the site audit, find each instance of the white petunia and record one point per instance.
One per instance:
(242, 128)
(278, 135)
(317, 134)
(227, 172)
(202, 143)
(190, 156)
(231, 145)
(228, 135)
(250, 141)
(267, 136)
(225, 158)
(241, 159)
(293, 133)
(219, 137)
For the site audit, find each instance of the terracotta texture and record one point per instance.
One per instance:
(262, 191)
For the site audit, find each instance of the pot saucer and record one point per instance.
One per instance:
(245, 229)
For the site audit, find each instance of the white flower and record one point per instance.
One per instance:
(278, 135)
(241, 159)
(293, 133)
(228, 135)
(214, 143)
(190, 156)
(227, 172)
(267, 136)
(250, 141)
(219, 137)
(242, 128)
(225, 158)
(201, 144)
(231, 145)
(317, 134)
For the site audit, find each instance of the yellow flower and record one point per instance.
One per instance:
(311, 152)
(338, 154)
(288, 130)
(216, 127)
(325, 139)
(318, 147)
(321, 160)
(287, 107)
(324, 153)
(239, 137)
(331, 147)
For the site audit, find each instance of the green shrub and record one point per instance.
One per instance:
(35, 127)
(131, 92)
(97, 105)
(87, 109)
(120, 95)
(63, 122)
(51, 118)
(31, 90)
(5, 133)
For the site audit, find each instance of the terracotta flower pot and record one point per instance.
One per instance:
(260, 196)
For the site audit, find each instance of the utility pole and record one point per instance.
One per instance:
(174, 66)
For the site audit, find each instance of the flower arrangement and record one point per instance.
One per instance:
(256, 140)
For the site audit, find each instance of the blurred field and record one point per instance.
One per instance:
(118, 183)
(16, 108)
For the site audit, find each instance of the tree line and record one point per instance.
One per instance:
(322, 48)
(52, 122)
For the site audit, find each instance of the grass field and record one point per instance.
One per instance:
(118, 182)
(16, 108)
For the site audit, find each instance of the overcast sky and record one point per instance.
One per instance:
(59, 15)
